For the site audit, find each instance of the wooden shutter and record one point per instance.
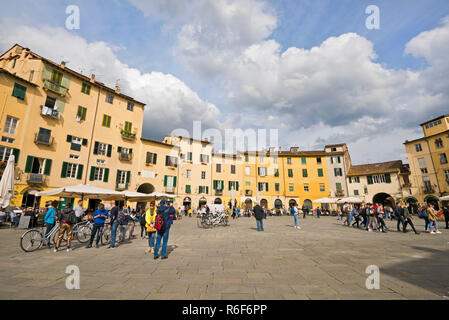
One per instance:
(109, 150)
(79, 174)
(106, 175)
(117, 176)
(65, 82)
(165, 181)
(64, 170)
(119, 149)
(46, 73)
(174, 181)
(69, 138)
(92, 173)
(60, 105)
(96, 147)
(166, 160)
(237, 186)
(19, 91)
(207, 190)
(29, 164)
(370, 179)
(16, 153)
(154, 158)
(128, 176)
(84, 142)
(387, 178)
(47, 168)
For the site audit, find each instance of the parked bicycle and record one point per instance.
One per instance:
(33, 239)
(210, 220)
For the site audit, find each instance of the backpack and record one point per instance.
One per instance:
(422, 214)
(159, 223)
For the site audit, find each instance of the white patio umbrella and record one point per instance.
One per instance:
(445, 198)
(7, 183)
(83, 191)
(350, 200)
(325, 200)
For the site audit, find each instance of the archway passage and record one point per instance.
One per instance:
(308, 204)
(187, 202)
(291, 202)
(385, 199)
(432, 200)
(146, 188)
(202, 202)
(218, 201)
(278, 203)
(413, 204)
(264, 203)
(248, 204)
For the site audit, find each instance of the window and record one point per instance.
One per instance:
(261, 159)
(128, 126)
(276, 187)
(81, 114)
(130, 106)
(232, 169)
(75, 143)
(356, 192)
(188, 188)
(204, 158)
(203, 175)
(354, 179)
(246, 158)
(306, 188)
(100, 161)
(151, 158)
(219, 185)
(71, 170)
(304, 173)
(338, 187)
(291, 188)
(289, 160)
(106, 121)
(14, 63)
(320, 172)
(74, 156)
(422, 165)
(336, 159)
(333, 149)
(418, 147)
(322, 188)
(276, 172)
(233, 185)
(85, 88)
(290, 173)
(443, 158)
(189, 174)
(338, 172)
(5, 152)
(171, 161)
(19, 91)
(44, 135)
(318, 160)
(275, 160)
(169, 181)
(439, 143)
(56, 77)
(303, 160)
(218, 167)
(263, 186)
(8, 140)
(50, 102)
(98, 174)
(109, 98)
(248, 183)
(446, 176)
(247, 171)
(10, 125)
(262, 171)
(30, 79)
(122, 176)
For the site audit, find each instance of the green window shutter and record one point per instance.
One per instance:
(237, 186)
(28, 164)
(64, 170)
(207, 190)
(19, 91)
(65, 81)
(119, 149)
(47, 167)
(131, 151)
(174, 181)
(215, 184)
(187, 188)
(79, 174)
(148, 158)
(46, 73)
(16, 153)
(69, 138)
(165, 181)
(109, 150)
(229, 185)
(84, 142)
(166, 160)
(96, 147)
(92, 173)
(370, 179)
(128, 176)
(60, 105)
(154, 158)
(267, 187)
(117, 176)
(320, 172)
(106, 175)
(387, 178)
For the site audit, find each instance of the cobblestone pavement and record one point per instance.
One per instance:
(323, 260)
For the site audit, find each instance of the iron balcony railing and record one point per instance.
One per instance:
(55, 87)
(43, 139)
(121, 186)
(50, 112)
(125, 156)
(36, 178)
(127, 134)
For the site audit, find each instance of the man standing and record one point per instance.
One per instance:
(408, 218)
(167, 213)
(259, 215)
(318, 212)
(100, 216)
(305, 211)
(66, 219)
(114, 224)
(446, 216)
(79, 211)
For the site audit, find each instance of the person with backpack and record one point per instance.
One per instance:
(67, 219)
(49, 218)
(99, 216)
(295, 213)
(408, 219)
(372, 217)
(150, 219)
(259, 215)
(163, 222)
(380, 217)
(356, 215)
(423, 215)
(142, 221)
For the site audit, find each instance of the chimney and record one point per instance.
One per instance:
(92, 77)
(294, 149)
(117, 89)
(62, 64)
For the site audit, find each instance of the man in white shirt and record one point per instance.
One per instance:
(79, 210)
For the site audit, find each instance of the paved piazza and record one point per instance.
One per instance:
(324, 260)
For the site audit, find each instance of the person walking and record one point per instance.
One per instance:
(446, 216)
(50, 216)
(372, 218)
(294, 211)
(408, 219)
(100, 215)
(114, 224)
(67, 219)
(123, 218)
(380, 217)
(150, 219)
(166, 214)
(305, 211)
(356, 215)
(399, 214)
(318, 212)
(142, 221)
(432, 220)
(259, 215)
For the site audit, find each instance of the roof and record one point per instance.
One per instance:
(159, 142)
(191, 139)
(437, 118)
(79, 75)
(376, 168)
(226, 155)
(335, 145)
(426, 137)
(16, 77)
(311, 153)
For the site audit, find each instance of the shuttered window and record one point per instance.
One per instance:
(19, 91)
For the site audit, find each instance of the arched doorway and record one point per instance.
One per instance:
(413, 204)
(29, 199)
(385, 199)
(146, 188)
(248, 204)
(278, 203)
(432, 200)
(291, 202)
(264, 203)
(218, 201)
(308, 204)
(202, 202)
(187, 202)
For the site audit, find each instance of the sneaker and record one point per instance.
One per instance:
(69, 249)
(156, 257)
(438, 231)
(55, 250)
(111, 247)
(432, 232)
(97, 246)
(164, 257)
(88, 246)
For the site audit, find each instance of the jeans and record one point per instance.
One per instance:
(426, 222)
(410, 222)
(151, 236)
(49, 227)
(401, 221)
(259, 225)
(97, 228)
(434, 224)
(349, 219)
(296, 219)
(143, 230)
(123, 228)
(114, 233)
(159, 237)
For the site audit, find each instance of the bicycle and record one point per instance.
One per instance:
(81, 231)
(33, 239)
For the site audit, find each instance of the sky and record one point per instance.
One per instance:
(309, 68)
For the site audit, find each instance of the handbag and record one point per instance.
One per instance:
(151, 229)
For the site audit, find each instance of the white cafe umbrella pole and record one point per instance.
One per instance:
(7, 183)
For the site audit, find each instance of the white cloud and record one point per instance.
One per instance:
(170, 103)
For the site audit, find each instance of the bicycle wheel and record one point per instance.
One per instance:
(226, 221)
(84, 233)
(31, 240)
(106, 236)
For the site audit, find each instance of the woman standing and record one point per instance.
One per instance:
(49, 218)
(150, 219)
(432, 220)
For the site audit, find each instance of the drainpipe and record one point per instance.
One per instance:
(92, 136)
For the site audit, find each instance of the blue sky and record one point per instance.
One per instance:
(149, 36)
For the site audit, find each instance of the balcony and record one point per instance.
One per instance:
(218, 192)
(43, 139)
(55, 87)
(125, 156)
(339, 193)
(127, 134)
(35, 178)
(50, 112)
(428, 190)
(170, 189)
(121, 186)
